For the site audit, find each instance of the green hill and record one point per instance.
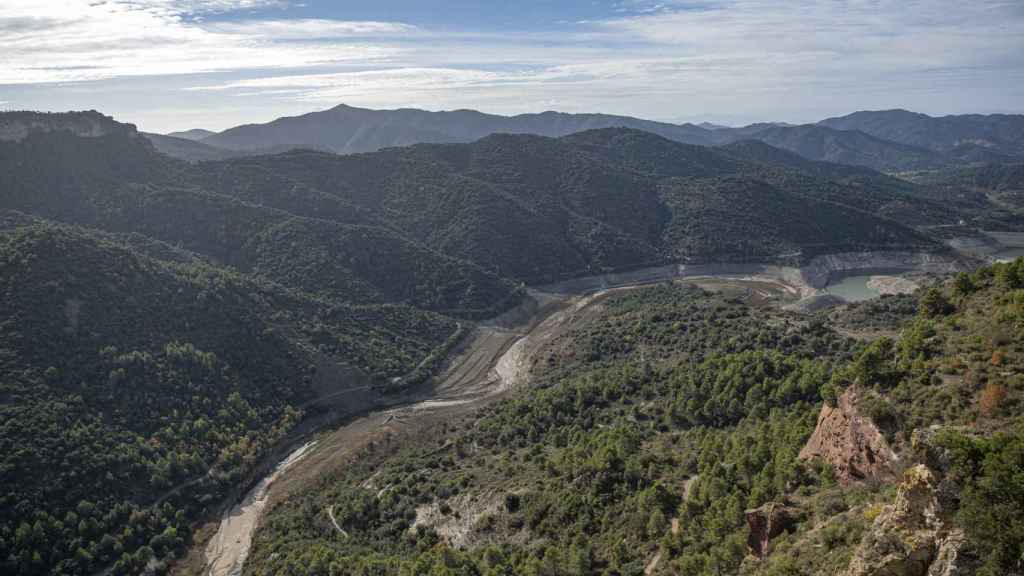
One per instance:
(539, 209)
(998, 133)
(125, 376)
(851, 147)
(123, 185)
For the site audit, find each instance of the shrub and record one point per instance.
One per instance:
(992, 398)
(872, 512)
(934, 303)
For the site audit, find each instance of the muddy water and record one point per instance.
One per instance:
(229, 547)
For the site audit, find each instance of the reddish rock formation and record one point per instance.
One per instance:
(850, 442)
(766, 523)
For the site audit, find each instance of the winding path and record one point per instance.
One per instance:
(330, 514)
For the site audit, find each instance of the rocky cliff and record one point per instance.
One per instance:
(16, 126)
(850, 442)
(766, 523)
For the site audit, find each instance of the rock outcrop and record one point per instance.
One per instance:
(850, 442)
(16, 126)
(767, 522)
(904, 540)
(949, 560)
(916, 536)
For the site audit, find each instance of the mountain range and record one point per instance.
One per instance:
(890, 141)
(167, 324)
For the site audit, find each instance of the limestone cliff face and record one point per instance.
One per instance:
(16, 126)
(850, 442)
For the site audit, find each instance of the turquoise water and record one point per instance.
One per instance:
(852, 288)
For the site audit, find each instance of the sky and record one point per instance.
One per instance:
(177, 64)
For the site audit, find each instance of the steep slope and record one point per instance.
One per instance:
(137, 392)
(1000, 133)
(590, 201)
(759, 151)
(647, 430)
(855, 186)
(345, 129)
(993, 177)
(990, 196)
(120, 183)
(744, 219)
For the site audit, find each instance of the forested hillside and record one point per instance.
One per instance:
(661, 436)
(120, 183)
(166, 324)
(538, 209)
(995, 133)
(138, 391)
(445, 223)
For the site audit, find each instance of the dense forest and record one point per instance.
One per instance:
(455, 227)
(138, 391)
(652, 430)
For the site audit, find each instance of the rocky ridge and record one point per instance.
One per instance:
(16, 126)
(850, 442)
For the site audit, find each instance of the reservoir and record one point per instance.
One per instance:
(851, 288)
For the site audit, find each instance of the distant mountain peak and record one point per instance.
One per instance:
(193, 134)
(998, 134)
(346, 129)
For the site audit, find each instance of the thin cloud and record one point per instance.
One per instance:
(305, 29)
(777, 59)
(83, 41)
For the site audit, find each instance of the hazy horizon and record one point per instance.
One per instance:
(170, 65)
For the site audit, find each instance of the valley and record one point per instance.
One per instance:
(534, 288)
(244, 356)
